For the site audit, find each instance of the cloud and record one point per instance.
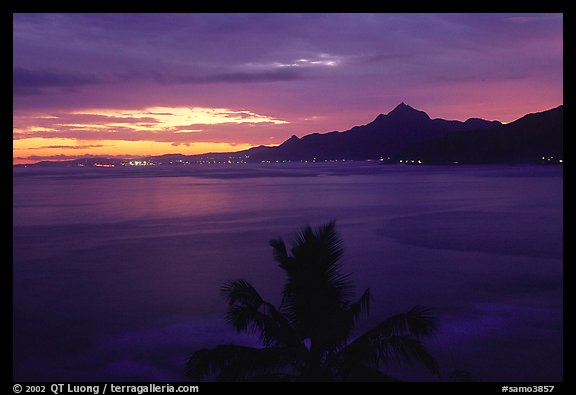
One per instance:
(85, 146)
(314, 60)
(246, 77)
(154, 124)
(34, 82)
(172, 117)
(27, 82)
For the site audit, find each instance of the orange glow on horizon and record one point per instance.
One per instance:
(28, 151)
(127, 133)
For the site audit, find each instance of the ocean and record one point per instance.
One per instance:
(116, 271)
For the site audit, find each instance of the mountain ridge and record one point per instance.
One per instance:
(534, 137)
(403, 133)
(385, 136)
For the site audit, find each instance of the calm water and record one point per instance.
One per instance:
(116, 271)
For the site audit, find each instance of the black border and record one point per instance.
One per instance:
(90, 6)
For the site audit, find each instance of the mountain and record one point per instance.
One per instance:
(535, 137)
(403, 133)
(386, 136)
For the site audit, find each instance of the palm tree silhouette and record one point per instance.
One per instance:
(309, 336)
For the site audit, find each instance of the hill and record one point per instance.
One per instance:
(535, 137)
(386, 136)
(403, 134)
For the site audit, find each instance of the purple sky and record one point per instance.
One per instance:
(137, 84)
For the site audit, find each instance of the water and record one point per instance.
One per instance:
(117, 271)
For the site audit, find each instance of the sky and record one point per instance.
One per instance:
(129, 85)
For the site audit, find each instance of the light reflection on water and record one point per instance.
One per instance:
(121, 270)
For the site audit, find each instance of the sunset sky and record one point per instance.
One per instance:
(148, 84)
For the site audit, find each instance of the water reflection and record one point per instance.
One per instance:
(119, 263)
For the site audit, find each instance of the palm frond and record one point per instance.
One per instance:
(396, 338)
(418, 322)
(322, 246)
(404, 348)
(461, 376)
(248, 312)
(343, 322)
(235, 363)
(316, 292)
(280, 252)
(240, 291)
(356, 372)
(308, 335)
(361, 306)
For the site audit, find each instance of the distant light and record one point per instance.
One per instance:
(419, 162)
(412, 161)
(561, 161)
(543, 158)
(400, 160)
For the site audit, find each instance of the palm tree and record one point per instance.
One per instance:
(309, 337)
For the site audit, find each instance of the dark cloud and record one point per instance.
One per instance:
(245, 77)
(27, 82)
(34, 82)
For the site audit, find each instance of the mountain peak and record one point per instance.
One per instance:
(291, 141)
(403, 110)
(403, 107)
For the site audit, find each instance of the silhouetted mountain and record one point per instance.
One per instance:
(403, 133)
(385, 136)
(533, 138)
